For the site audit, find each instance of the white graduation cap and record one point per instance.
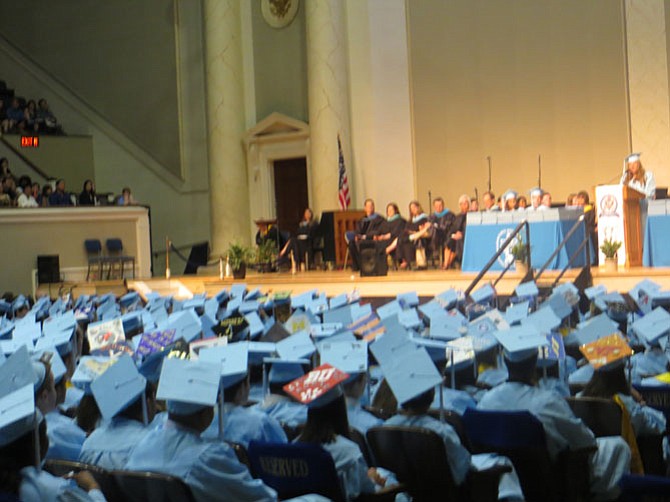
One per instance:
(633, 157)
(118, 387)
(188, 386)
(521, 342)
(297, 346)
(233, 359)
(349, 357)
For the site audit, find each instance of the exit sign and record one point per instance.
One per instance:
(30, 141)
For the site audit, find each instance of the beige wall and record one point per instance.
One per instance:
(512, 80)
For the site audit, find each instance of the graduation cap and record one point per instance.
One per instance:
(520, 343)
(535, 192)
(233, 328)
(16, 372)
(633, 157)
(299, 321)
(486, 293)
(432, 311)
(447, 299)
(155, 341)
(642, 292)
(233, 359)
(594, 328)
(444, 331)
(255, 324)
(297, 346)
(595, 291)
(259, 351)
(130, 300)
(509, 194)
(527, 289)
(318, 387)
(517, 312)
(559, 305)
(389, 309)
(188, 386)
(238, 290)
(285, 370)
(58, 368)
(409, 299)
(276, 333)
(338, 301)
(653, 325)
(248, 306)
(118, 387)
(341, 315)
(88, 369)
(391, 346)
(544, 320)
(359, 311)
(19, 303)
(104, 333)
(410, 375)
(348, 357)
(607, 352)
(18, 414)
(410, 319)
(303, 300)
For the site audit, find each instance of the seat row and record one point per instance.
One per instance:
(114, 262)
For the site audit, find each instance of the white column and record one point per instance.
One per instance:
(229, 197)
(328, 100)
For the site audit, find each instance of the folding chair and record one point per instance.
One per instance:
(602, 416)
(520, 436)
(418, 458)
(95, 259)
(143, 486)
(117, 260)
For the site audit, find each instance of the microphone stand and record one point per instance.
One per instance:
(430, 200)
(488, 159)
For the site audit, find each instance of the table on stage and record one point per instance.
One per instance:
(656, 252)
(486, 231)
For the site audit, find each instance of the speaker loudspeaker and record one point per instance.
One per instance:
(372, 260)
(48, 269)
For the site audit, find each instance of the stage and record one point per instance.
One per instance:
(426, 283)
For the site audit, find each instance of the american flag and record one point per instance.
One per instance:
(343, 187)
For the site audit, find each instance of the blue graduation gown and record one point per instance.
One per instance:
(284, 410)
(360, 419)
(211, 469)
(40, 486)
(454, 400)
(564, 430)
(243, 425)
(351, 467)
(65, 437)
(110, 445)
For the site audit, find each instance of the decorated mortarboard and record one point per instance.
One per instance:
(285, 370)
(544, 320)
(232, 328)
(88, 369)
(410, 319)
(16, 372)
(188, 386)
(653, 325)
(118, 387)
(18, 415)
(408, 300)
(256, 327)
(318, 387)
(233, 359)
(517, 312)
(58, 368)
(389, 309)
(633, 157)
(484, 294)
(411, 375)
(642, 293)
(297, 346)
(447, 299)
(527, 289)
(276, 333)
(154, 341)
(348, 357)
(553, 351)
(299, 321)
(104, 333)
(521, 342)
(594, 328)
(367, 328)
(607, 351)
(341, 314)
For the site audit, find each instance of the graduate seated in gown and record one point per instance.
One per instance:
(417, 236)
(277, 404)
(563, 429)
(269, 232)
(209, 468)
(441, 220)
(367, 228)
(126, 416)
(453, 250)
(302, 244)
(20, 455)
(391, 232)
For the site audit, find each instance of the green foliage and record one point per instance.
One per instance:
(610, 248)
(519, 250)
(267, 252)
(239, 254)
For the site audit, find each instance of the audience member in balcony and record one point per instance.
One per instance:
(45, 121)
(9, 189)
(87, 197)
(126, 198)
(29, 114)
(4, 167)
(3, 113)
(60, 197)
(36, 192)
(25, 198)
(46, 193)
(14, 117)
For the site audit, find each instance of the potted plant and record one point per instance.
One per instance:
(519, 251)
(610, 248)
(238, 258)
(266, 255)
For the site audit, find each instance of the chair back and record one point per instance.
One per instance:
(143, 486)
(114, 245)
(418, 458)
(658, 397)
(456, 422)
(102, 476)
(93, 246)
(295, 469)
(602, 416)
(644, 488)
(357, 437)
(240, 452)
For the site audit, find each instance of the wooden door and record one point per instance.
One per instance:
(291, 195)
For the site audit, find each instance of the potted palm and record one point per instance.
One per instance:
(238, 258)
(610, 249)
(519, 251)
(266, 255)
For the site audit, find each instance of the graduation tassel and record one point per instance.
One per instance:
(221, 413)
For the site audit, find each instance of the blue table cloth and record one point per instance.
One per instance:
(656, 251)
(483, 237)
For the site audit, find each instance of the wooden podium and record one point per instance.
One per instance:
(333, 226)
(619, 219)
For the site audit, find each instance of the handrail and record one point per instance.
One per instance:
(572, 258)
(562, 244)
(25, 159)
(501, 249)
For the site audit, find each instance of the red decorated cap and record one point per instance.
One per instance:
(318, 387)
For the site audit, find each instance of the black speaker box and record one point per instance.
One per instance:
(372, 260)
(48, 269)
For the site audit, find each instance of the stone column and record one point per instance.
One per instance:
(229, 192)
(328, 94)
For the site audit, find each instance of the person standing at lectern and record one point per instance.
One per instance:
(637, 178)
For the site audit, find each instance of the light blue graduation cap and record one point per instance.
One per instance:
(58, 368)
(341, 315)
(569, 291)
(238, 290)
(348, 357)
(602, 301)
(324, 330)
(410, 319)
(233, 304)
(535, 192)
(285, 370)
(521, 342)
(16, 372)
(517, 312)
(254, 294)
(130, 300)
(188, 386)
(248, 306)
(652, 326)
(544, 320)
(211, 307)
(221, 296)
(391, 346)
(19, 303)
(484, 294)
(18, 415)
(392, 325)
(444, 331)
(256, 327)
(303, 300)
(344, 335)
(196, 303)
(233, 359)
(433, 311)
(633, 157)
(642, 294)
(527, 289)
(186, 323)
(148, 322)
(88, 369)
(509, 194)
(481, 326)
(318, 305)
(259, 351)
(595, 291)
(359, 311)
(411, 375)
(118, 387)
(436, 349)
(389, 309)
(408, 300)
(338, 301)
(297, 346)
(559, 305)
(447, 299)
(594, 328)
(132, 322)
(27, 331)
(59, 323)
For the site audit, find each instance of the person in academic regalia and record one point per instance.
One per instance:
(416, 237)
(307, 230)
(391, 232)
(635, 176)
(359, 419)
(453, 250)
(366, 228)
(268, 231)
(441, 220)
(277, 404)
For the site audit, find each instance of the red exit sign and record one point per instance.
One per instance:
(30, 141)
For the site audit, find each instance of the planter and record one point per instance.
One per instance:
(521, 267)
(240, 273)
(611, 264)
